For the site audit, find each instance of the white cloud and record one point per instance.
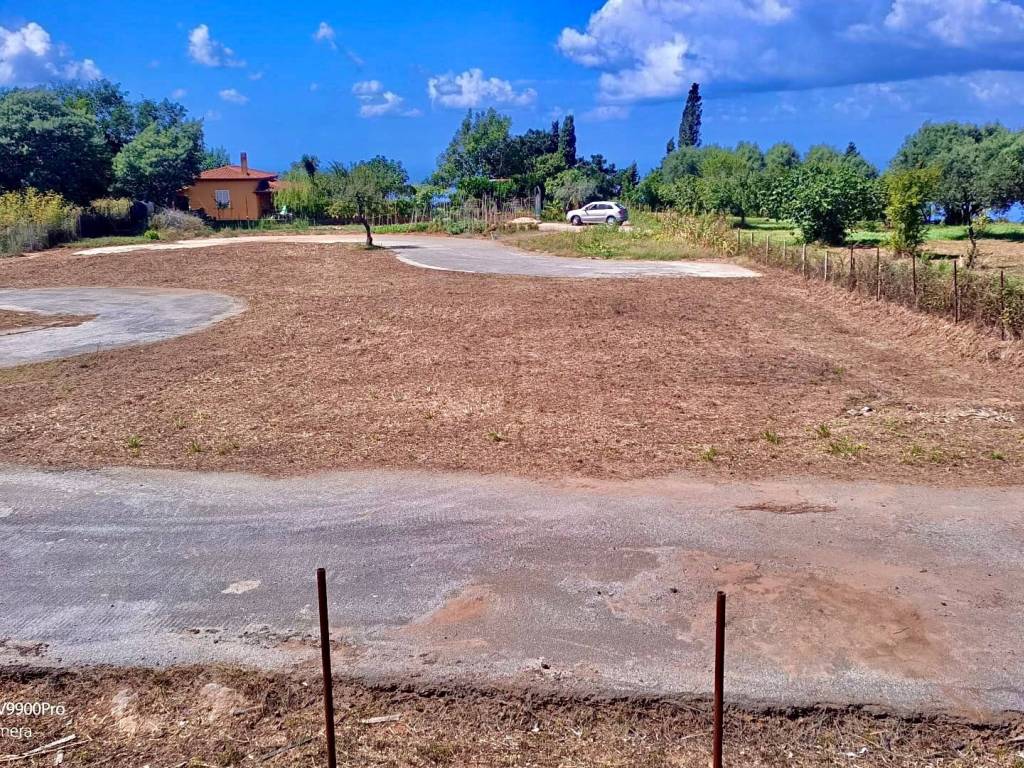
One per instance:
(958, 23)
(471, 89)
(256, 75)
(996, 88)
(29, 56)
(376, 101)
(325, 34)
(367, 87)
(654, 49)
(179, 93)
(232, 96)
(203, 49)
(661, 72)
(606, 112)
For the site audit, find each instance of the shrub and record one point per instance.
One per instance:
(110, 216)
(178, 223)
(908, 194)
(115, 208)
(151, 234)
(31, 220)
(710, 231)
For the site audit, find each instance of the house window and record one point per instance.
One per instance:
(223, 198)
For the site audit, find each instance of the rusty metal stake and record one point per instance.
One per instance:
(878, 274)
(913, 275)
(325, 657)
(956, 294)
(716, 743)
(1002, 304)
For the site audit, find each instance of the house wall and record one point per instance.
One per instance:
(246, 204)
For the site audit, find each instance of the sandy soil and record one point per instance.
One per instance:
(350, 359)
(223, 717)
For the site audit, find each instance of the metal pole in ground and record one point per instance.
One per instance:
(956, 294)
(1002, 304)
(767, 245)
(803, 259)
(913, 275)
(826, 265)
(719, 719)
(853, 270)
(325, 657)
(878, 274)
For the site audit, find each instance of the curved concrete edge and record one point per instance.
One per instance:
(474, 256)
(123, 317)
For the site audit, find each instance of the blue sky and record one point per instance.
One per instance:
(346, 81)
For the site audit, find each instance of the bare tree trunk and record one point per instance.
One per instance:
(972, 249)
(369, 236)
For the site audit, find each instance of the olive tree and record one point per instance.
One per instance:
(363, 189)
(980, 169)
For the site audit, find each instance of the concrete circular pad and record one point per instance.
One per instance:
(123, 317)
(470, 255)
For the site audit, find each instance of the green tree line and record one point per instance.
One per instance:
(88, 141)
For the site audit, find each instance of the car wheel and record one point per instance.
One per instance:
(611, 221)
(575, 221)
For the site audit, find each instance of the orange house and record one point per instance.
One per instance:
(233, 192)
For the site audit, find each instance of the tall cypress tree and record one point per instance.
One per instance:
(553, 141)
(670, 147)
(567, 141)
(689, 126)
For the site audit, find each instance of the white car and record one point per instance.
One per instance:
(601, 212)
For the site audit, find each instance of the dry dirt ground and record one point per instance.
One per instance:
(992, 254)
(16, 321)
(349, 359)
(220, 717)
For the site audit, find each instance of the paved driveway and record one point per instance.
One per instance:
(844, 593)
(471, 255)
(123, 317)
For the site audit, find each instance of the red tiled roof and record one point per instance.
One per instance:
(229, 172)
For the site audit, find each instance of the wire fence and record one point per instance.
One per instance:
(988, 299)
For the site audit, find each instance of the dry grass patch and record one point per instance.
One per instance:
(350, 359)
(227, 717)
